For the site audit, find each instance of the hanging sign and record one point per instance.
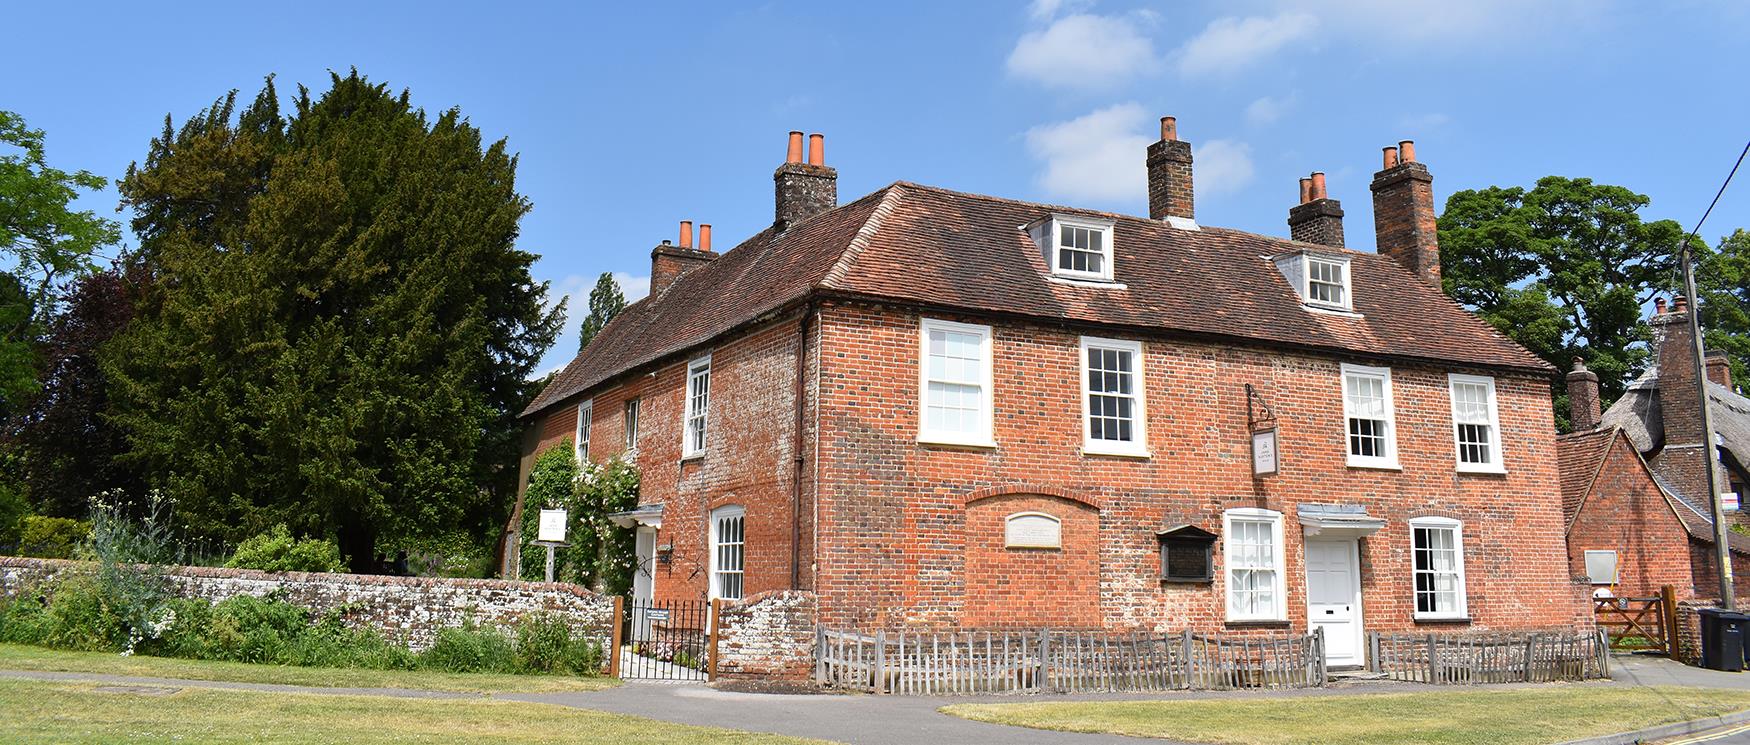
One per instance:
(1730, 501)
(552, 526)
(1264, 452)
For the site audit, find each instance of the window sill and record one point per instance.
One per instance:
(1105, 284)
(1258, 624)
(694, 458)
(1331, 310)
(968, 444)
(1454, 620)
(1114, 452)
(1482, 470)
(1187, 581)
(1376, 465)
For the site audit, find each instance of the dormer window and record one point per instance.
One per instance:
(1076, 247)
(1321, 280)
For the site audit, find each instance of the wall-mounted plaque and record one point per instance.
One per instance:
(1264, 452)
(1033, 530)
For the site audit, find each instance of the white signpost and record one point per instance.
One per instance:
(551, 534)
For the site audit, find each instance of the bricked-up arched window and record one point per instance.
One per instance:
(727, 551)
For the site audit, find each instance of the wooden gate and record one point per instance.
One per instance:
(1646, 624)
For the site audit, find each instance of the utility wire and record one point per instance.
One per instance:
(1718, 194)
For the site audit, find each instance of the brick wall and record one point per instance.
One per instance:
(766, 640)
(407, 609)
(747, 461)
(896, 536)
(1626, 513)
(1031, 587)
(1707, 580)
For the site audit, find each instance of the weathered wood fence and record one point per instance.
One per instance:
(1646, 624)
(1447, 659)
(1062, 661)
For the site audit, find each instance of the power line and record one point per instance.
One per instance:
(1718, 194)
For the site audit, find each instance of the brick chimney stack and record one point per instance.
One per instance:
(1169, 175)
(668, 261)
(1719, 368)
(1318, 218)
(804, 189)
(1683, 447)
(1584, 411)
(1403, 213)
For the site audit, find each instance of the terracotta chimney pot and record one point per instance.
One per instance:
(704, 236)
(1391, 158)
(1169, 128)
(1318, 185)
(794, 153)
(817, 149)
(1658, 305)
(1407, 151)
(1306, 190)
(686, 234)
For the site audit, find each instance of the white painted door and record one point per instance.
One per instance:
(1333, 599)
(643, 582)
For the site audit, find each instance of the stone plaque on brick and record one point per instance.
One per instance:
(1033, 530)
(1264, 452)
(552, 526)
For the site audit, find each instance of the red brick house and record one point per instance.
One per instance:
(1634, 485)
(939, 409)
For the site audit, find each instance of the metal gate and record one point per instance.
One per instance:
(1639, 624)
(663, 639)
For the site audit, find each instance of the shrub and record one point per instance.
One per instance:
(552, 485)
(25, 619)
(50, 537)
(277, 551)
(585, 656)
(542, 642)
(470, 649)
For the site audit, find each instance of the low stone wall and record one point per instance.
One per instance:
(766, 641)
(406, 609)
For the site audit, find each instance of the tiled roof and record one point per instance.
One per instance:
(1578, 457)
(948, 250)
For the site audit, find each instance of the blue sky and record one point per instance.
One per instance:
(632, 116)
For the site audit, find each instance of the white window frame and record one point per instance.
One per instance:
(1390, 459)
(1306, 274)
(718, 573)
(631, 412)
(1138, 444)
(1495, 464)
(1457, 528)
(1279, 611)
(689, 448)
(585, 423)
(982, 435)
(1102, 227)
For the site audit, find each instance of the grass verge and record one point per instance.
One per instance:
(21, 657)
(82, 713)
(1446, 717)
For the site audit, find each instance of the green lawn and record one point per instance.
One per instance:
(81, 713)
(19, 657)
(1451, 716)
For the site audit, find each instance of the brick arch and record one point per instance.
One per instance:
(1031, 489)
(1028, 586)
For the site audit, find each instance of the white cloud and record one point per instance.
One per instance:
(1085, 51)
(1230, 43)
(1223, 166)
(1095, 157)
(633, 287)
(1045, 10)
(575, 289)
(1267, 110)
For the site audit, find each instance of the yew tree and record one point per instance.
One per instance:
(341, 327)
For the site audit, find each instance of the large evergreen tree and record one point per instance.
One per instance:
(1563, 268)
(605, 302)
(341, 329)
(1723, 281)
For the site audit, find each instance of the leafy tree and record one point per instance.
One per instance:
(278, 551)
(605, 302)
(1722, 278)
(341, 329)
(49, 242)
(1563, 269)
(70, 451)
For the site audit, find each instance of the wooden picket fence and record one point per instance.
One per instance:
(1449, 659)
(1062, 661)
